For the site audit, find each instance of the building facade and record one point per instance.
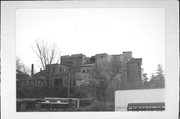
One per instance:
(77, 70)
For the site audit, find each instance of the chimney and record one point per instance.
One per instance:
(32, 69)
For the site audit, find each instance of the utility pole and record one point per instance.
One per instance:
(47, 80)
(69, 83)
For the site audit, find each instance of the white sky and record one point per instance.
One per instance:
(94, 30)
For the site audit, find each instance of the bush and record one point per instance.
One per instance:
(98, 106)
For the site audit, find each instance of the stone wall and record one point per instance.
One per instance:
(77, 60)
(66, 60)
(134, 72)
(128, 54)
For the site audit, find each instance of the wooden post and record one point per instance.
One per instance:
(69, 83)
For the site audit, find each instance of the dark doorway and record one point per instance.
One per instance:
(58, 82)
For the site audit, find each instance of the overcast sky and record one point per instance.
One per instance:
(94, 30)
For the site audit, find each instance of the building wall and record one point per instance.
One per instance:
(117, 62)
(118, 58)
(57, 69)
(76, 68)
(123, 97)
(59, 80)
(87, 68)
(31, 83)
(82, 78)
(77, 60)
(85, 74)
(58, 75)
(133, 72)
(134, 75)
(100, 58)
(103, 63)
(66, 60)
(128, 54)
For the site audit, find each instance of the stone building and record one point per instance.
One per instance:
(124, 64)
(77, 69)
(55, 75)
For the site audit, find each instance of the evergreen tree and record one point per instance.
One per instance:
(158, 81)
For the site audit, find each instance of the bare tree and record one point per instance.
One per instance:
(46, 54)
(21, 68)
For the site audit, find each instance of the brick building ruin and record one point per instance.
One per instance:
(77, 70)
